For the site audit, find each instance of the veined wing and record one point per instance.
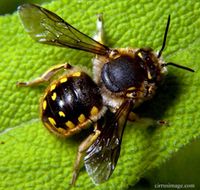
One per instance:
(45, 26)
(102, 156)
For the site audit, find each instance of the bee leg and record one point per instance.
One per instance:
(46, 76)
(81, 152)
(99, 35)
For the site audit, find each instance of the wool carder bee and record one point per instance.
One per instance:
(123, 78)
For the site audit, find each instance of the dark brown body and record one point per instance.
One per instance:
(70, 104)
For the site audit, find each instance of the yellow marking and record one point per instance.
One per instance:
(44, 105)
(94, 110)
(69, 124)
(61, 114)
(77, 74)
(81, 118)
(149, 75)
(131, 88)
(64, 79)
(53, 97)
(129, 95)
(140, 55)
(52, 121)
(53, 86)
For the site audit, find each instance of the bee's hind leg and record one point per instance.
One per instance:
(81, 152)
(46, 76)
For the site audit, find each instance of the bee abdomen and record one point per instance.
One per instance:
(70, 102)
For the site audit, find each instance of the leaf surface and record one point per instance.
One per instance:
(32, 158)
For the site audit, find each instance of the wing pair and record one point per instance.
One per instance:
(102, 156)
(45, 26)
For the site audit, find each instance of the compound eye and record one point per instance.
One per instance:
(153, 72)
(149, 64)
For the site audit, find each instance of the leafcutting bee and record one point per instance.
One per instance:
(123, 78)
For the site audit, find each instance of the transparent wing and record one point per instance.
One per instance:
(46, 27)
(102, 156)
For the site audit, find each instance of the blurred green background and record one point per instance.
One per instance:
(182, 169)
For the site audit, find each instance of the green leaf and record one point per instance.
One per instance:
(180, 170)
(31, 158)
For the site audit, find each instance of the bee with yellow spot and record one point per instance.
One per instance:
(123, 79)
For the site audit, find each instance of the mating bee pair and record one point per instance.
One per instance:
(123, 79)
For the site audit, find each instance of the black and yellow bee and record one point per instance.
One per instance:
(123, 78)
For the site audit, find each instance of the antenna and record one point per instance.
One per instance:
(179, 66)
(165, 37)
(163, 46)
